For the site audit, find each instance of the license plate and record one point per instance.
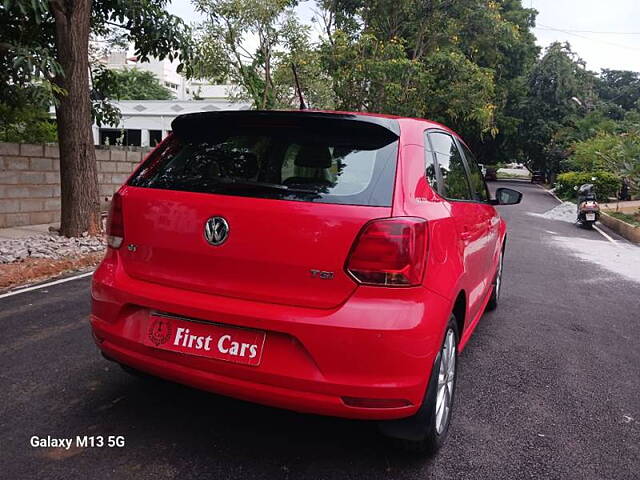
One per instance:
(202, 339)
(591, 217)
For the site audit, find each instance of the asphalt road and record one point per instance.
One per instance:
(549, 387)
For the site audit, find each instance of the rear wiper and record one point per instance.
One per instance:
(270, 186)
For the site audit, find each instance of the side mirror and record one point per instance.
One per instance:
(507, 196)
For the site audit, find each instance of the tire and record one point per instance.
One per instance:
(492, 304)
(426, 431)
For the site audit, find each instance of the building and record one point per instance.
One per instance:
(147, 122)
(164, 70)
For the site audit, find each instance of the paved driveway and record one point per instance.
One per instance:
(549, 387)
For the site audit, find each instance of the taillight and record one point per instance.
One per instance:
(390, 252)
(115, 222)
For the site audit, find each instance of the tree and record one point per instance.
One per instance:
(458, 62)
(560, 91)
(619, 88)
(134, 84)
(224, 51)
(615, 153)
(315, 82)
(78, 170)
(47, 41)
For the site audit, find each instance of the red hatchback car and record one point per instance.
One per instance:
(323, 262)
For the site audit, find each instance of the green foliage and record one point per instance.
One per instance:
(580, 128)
(606, 151)
(619, 88)
(27, 124)
(298, 50)
(559, 87)
(28, 51)
(223, 53)
(134, 84)
(459, 62)
(146, 24)
(633, 219)
(606, 184)
(24, 117)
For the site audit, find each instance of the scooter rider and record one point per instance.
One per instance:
(588, 208)
(586, 192)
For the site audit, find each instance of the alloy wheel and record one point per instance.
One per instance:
(446, 379)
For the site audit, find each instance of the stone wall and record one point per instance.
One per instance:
(30, 180)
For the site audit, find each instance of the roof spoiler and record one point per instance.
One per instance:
(357, 126)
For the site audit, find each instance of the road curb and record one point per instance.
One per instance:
(621, 227)
(549, 192)
(62, 278)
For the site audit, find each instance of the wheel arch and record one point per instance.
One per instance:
(459, 310)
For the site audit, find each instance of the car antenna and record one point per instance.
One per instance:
(303, 106)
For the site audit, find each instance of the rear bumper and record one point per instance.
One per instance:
(379, 344)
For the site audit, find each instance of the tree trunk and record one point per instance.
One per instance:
(78, 171)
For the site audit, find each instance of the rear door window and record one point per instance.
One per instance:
(282, 164)
(430, 165)
(478, 184)
(453, 181)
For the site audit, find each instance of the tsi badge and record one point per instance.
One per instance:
(322, 274)
(216, 231)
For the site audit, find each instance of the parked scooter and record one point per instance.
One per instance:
(588, 208)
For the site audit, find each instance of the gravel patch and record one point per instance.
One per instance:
(48, 246)
(566, 212)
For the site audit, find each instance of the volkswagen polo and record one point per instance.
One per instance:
(323, 262)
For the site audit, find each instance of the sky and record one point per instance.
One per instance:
(604, 34)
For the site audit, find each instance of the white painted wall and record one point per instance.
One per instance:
(148, 115)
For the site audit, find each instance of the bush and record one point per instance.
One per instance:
(26, 124)
(607, 184)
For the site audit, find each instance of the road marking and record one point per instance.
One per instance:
(608, 237)
(49, 284)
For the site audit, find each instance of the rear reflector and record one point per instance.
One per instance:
(390, 252)
(376, 402)
(115, 222)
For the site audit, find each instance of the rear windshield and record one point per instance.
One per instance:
(279, 163)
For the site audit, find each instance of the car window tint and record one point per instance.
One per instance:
(455, 184)
(271, 164)
(475, 176)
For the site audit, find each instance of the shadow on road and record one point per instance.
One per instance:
(221, 435)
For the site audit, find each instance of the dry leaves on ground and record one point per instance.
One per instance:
(33, 270)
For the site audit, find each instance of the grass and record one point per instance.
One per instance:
(631, 218)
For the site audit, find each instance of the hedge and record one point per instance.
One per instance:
(607, 184)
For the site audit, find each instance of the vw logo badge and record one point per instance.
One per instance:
(216, 230)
